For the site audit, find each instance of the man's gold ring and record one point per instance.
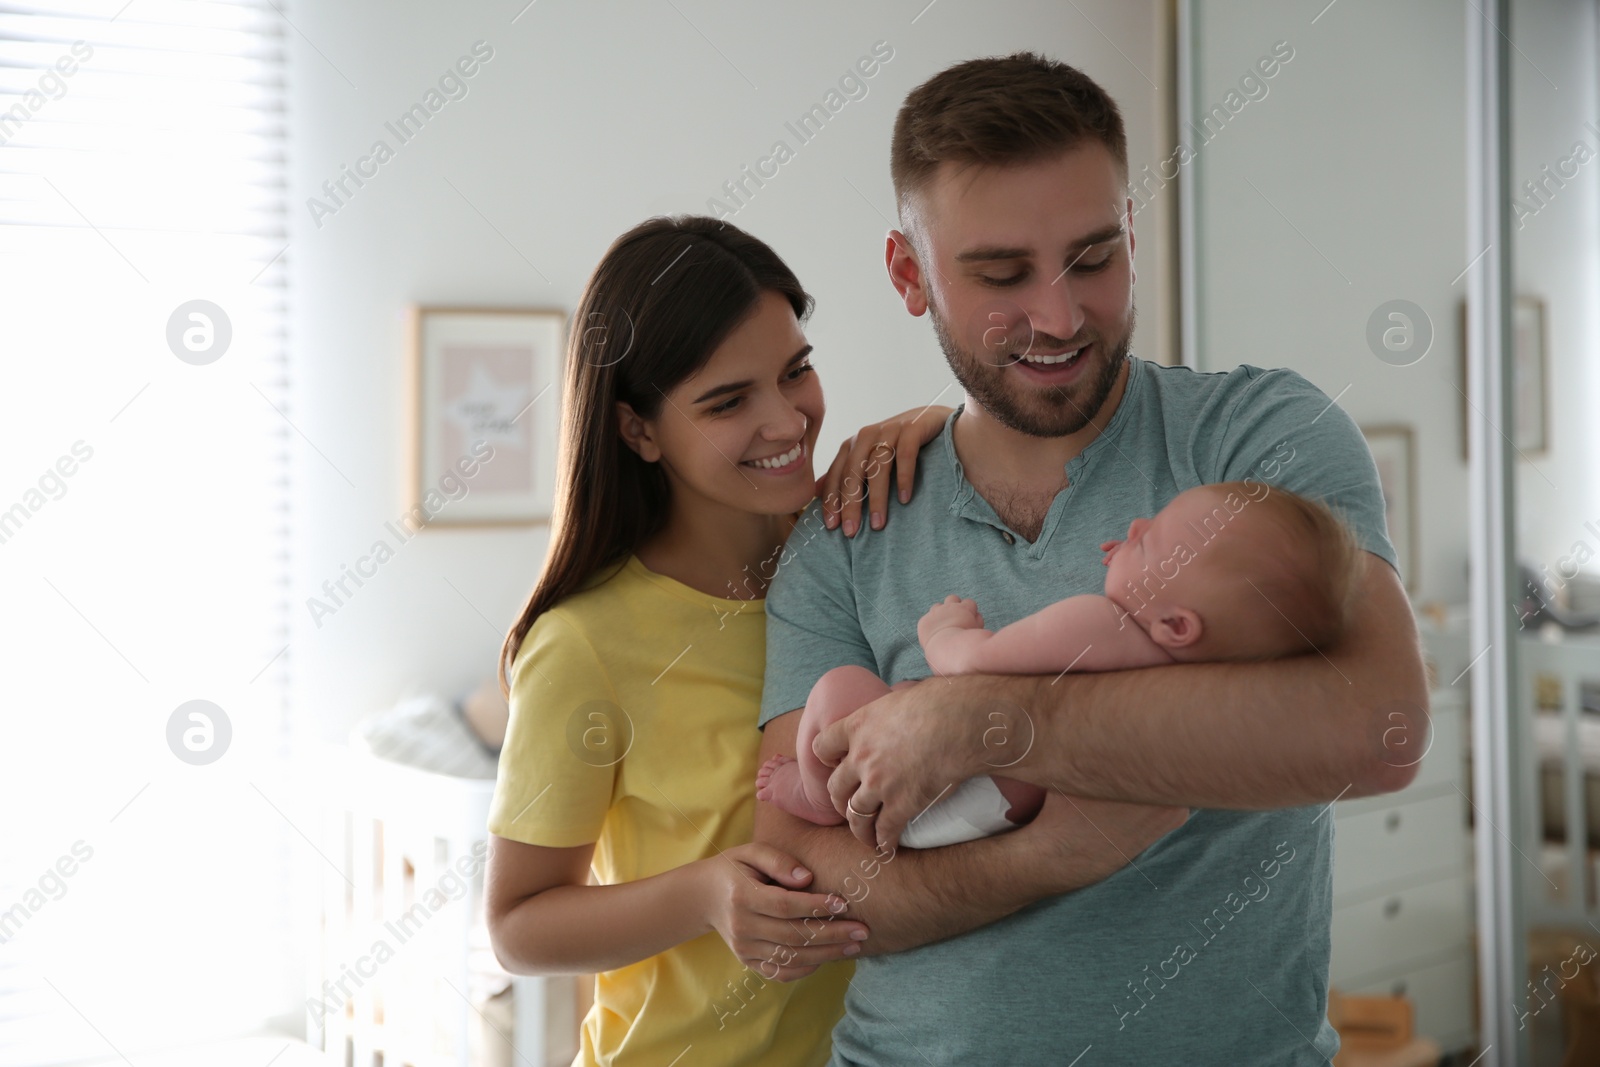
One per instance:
(862, 814)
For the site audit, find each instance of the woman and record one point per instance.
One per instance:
(634, 672)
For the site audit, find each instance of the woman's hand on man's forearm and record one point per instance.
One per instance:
(911, 897)
(756, 897)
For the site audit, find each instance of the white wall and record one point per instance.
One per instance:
(1357, 158)
(588, 119)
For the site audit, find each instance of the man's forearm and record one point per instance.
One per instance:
(906, 896)
(1269, 734)
(1205, 735)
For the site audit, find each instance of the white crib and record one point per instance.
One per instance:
(403, 971)
(1559, 794)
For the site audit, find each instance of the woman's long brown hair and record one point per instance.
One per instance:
(665, 295)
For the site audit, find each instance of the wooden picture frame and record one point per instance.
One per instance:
(483, 414)
(1530, 389)
(1394, 451)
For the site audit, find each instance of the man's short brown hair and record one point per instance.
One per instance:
(996, 111)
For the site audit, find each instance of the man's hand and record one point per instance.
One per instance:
(894, 757)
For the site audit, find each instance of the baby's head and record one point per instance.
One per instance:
(1237, 570)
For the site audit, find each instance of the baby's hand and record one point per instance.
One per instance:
(1110, 549)
(954, 613)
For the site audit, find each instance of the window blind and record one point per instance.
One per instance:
(144, 534)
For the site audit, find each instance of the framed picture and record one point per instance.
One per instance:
(1530, 388)
(484, 414)
(1394, 451)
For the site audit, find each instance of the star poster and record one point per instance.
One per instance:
(486, 388)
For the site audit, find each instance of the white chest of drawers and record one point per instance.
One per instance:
(1402, 873)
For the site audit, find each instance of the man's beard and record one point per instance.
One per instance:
(1050, 411)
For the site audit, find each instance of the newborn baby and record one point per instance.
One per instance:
(1232, 571)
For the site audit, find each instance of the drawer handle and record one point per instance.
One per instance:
(1391, 908)
(1392, 823)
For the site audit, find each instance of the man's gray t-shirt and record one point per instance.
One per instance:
(1212, 946)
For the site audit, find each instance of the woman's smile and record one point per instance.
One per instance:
(782, 463)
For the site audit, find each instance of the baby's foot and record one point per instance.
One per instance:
(778, 782)
(764, 786)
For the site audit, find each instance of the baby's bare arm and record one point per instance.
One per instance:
(1083, 633)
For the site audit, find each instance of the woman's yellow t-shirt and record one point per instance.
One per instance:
(634, 705)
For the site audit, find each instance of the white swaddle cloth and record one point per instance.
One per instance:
(975, 808)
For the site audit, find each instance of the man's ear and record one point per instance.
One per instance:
(636, 433)
(1133, 275)
(1175, 627)
(905, 271)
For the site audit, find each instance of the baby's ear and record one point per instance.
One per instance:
(1175, 628)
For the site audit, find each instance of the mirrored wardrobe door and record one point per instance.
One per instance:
(1552, 437)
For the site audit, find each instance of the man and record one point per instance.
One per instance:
(1210, 945)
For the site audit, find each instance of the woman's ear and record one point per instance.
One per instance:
(636, 433)
(1175, 627)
